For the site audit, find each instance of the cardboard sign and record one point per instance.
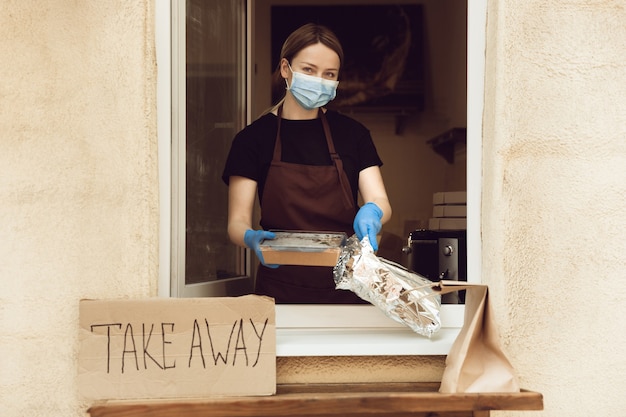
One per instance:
(177, 347)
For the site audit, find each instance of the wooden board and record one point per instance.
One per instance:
(345, 400)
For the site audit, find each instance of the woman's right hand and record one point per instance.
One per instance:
(253, 239)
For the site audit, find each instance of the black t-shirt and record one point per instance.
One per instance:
(303, 142)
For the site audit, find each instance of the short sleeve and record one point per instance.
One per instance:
(368, 155)
(250, 151)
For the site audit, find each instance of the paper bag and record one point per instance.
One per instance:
(476, 362)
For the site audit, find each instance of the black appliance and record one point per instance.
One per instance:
(437, 255)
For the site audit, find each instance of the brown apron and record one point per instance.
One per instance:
(305, 197)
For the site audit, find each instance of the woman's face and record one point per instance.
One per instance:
(316, 60)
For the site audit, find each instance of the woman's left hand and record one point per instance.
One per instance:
(367, 222)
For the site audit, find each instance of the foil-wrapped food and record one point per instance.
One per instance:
(402, 295)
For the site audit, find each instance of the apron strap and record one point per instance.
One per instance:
(277, 145)
(334, 156)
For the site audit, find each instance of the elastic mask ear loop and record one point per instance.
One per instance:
(287, 82)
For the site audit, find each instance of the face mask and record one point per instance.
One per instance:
(311, 92)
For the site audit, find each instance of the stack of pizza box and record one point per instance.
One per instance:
(449, 211)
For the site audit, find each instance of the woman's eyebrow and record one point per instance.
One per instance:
(316, 67)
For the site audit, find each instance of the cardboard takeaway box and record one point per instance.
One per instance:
(450, 197)
(177, 347)
(303, 248)
(449, 211)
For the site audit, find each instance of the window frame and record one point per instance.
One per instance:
(305, 330)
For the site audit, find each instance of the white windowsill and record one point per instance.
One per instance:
(357, 330)
(361, 342)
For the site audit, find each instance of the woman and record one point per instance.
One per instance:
(306, 163)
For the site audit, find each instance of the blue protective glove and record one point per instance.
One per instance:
(367, 223)
(253, 239)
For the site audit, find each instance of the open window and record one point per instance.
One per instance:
(302, 330)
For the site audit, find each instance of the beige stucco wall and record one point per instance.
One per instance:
(78, 196)
(554, 194)
(78, 184)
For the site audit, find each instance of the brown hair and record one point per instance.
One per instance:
(306, 35)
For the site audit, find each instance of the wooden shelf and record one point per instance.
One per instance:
(345, 400)
(445, 143)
